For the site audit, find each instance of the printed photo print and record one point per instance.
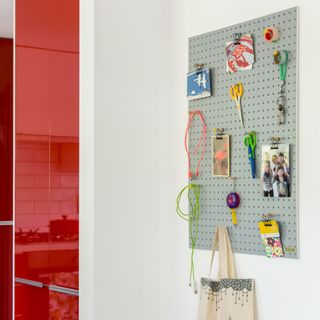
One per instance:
(275, 171)
(198, 84)
(221, 156)
(240, 55)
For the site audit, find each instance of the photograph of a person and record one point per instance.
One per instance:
(221, 156)
(275, 171)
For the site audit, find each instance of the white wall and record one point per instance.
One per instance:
(141, 255)
(128, 59)
(286, 289)
(6, 18)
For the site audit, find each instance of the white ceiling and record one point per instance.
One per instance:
(6, 18)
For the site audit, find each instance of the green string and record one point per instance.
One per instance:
(192, 217)
(283, 67)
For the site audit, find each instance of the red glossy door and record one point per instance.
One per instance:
(6, 199)
(64, 223)
(50, 24)
(6, 127)
(32, 212)
(47, 155)
(31, 303)
(63, 306)
(32, 209)
(42, 304)
(64, 169)
(6, 272)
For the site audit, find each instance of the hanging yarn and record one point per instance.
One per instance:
(193, 218)
(202, 141)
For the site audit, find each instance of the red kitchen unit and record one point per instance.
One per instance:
(6, 127)
(47, 160)
(40, 303)
(6, 296)
(6, 177)
(50, 24)
(31, 302)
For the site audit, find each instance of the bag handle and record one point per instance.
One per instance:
(226, 258)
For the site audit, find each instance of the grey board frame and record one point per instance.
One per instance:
(261, 87)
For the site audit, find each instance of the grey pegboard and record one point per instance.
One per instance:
(261, 87)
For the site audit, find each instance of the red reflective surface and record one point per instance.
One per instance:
(47, 151)
(32, 208)
(63, 306)
(32, 93)
(50, 24)
(64, 217)
(6, 272)
(6, 199)
(41, 304)
(6, 125)
(31, 303)
(47, 165)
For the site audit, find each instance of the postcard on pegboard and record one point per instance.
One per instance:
(270, 234)
(221, 156)
(275, 170)
(240, 54)
(198, 84)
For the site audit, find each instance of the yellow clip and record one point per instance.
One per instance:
(276, 57)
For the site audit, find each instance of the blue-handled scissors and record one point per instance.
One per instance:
(250, 141)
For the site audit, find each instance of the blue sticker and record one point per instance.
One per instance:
(199, 84)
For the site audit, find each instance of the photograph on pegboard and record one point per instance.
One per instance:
(240, 54)
(221, 156)
(275, 171)
(198, 84)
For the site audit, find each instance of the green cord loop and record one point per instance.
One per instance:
(283, 66)
(192, 217)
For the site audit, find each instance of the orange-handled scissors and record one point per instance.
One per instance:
(236, 92)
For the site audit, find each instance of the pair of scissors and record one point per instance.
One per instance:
(236, 92)
(250, 141)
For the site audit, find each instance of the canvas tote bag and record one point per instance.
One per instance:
(226, 298)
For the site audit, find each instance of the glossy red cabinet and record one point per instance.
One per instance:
(64, 217)
(32, 212)
(47, 157)
(63, 306)
(47, 85)
(31, 303)
(6, 177)
(64, 90)
(6, 128)
(6, 272)
(50, 24)
(32, 92)
(42, 304)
